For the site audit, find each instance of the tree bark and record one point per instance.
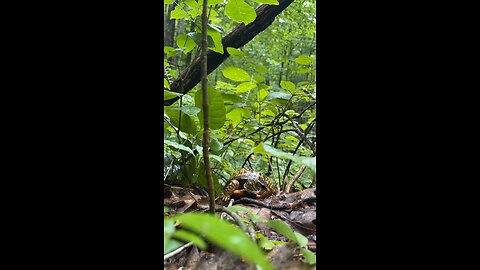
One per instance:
(169, 26)
(240, 36)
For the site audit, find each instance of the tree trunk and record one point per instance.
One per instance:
(169, 26)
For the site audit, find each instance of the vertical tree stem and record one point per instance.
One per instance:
(205, 141)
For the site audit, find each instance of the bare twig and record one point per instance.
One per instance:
(294, 178)
(176, 251)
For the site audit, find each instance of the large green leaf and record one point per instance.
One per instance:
(224, 235)
(216, 45)
(185, 41)
(216, 108)
(303, 60)
(190, 237)
(309, 256)
(187, 124)
(266, 149)
(279, 95)
(168, 2)
(192, 3)
(282, 228)
(287, 85)
(236, 74)
(261, 69)
(190, 110)
(178, 146)
(246, 86)
(235, 52)
(169, 94)
(197, 37)
(239, 11)
(177, 13)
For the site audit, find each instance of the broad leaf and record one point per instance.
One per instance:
(282, 228)
(239, 11)
(177, 13)
(303, 60)
(216, 108)
(169, 94)
(191, 3)
(235, 52)
(185, 41)
(266, 149)
(309, 256)
(261, 69)
(197, 37)
(236, 74)
(187, 124)
(178, 146)
(224, 235)
(246, 86)
(279, 95)
(216, 44)
(190, 237)
(190, 110)
(287, 85)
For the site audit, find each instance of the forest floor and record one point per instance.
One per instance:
(297, 209)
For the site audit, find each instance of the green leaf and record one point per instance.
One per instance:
(266, 149)
(246, 86)
(178, 146)
(165, 210)
(225, 235)
(303, 70)
(166, 85)
(258, 78)
(168, 2)
(216, 145)
(194, 12)
(281, 227)
(191, 3)
(261, 69)
(287, 85)
(215, 27)
(178, 13)
(279, 95)
(216, 108)
(190, 237)
(309, 256)
(197, 37)
(265, 243)
(235, 115)
(239, 11)
(303, 60)
(168, 229)
(183, 41)
(216, 41)
(235, 52)
(172, 245)
(169, 94)
(235, 74)
(269, 2)
(187, 125)
(263, 94)
(190, 110)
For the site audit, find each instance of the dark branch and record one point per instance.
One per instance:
(240, 36)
